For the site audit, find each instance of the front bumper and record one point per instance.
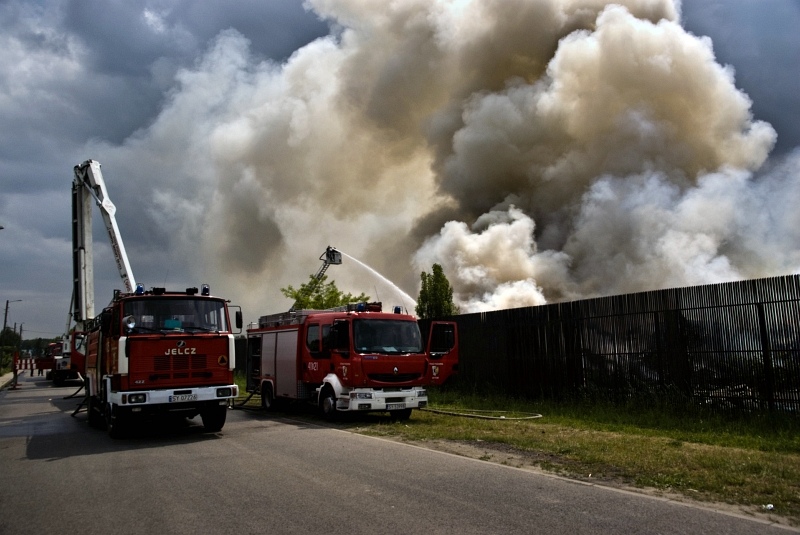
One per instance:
(364, 399)
(175, 398)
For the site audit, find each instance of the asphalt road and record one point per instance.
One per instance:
(264, 474)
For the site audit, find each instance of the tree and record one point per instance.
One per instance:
(319, 295)
(436, 295)
(9, 342)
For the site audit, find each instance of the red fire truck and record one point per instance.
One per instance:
(355, 358)
(49, 358)
(157, 352)
(148, 352)
(67, 364)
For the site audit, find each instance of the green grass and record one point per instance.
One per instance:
(747, 461)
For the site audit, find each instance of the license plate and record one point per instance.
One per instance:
(395, 406)
(183, 397)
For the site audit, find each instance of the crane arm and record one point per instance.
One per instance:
(89, 179)
(89, 173)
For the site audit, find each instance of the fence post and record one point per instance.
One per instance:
(768, 386)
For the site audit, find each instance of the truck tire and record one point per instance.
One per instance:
(401, 415)
(327, 403)
(93, 413)
(116, 424)
(267, 398)
(214, 418)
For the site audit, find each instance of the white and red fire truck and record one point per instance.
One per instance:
(352, 358)
(149, 352)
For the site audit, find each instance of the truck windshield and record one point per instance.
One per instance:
(386, 336)
(187, 314)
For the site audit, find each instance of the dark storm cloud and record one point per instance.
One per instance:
(762, 42)
(75, 72)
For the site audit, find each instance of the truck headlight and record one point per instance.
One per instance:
(137, 398)
(224, 392)
(422, 393)
(360, 395)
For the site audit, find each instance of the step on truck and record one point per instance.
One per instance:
(348, 359)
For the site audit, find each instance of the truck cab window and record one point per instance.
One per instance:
(443, 338)
(312, 338)
(341, 336)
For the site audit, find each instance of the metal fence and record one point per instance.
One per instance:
(731, 346)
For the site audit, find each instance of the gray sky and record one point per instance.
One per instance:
(239, 139)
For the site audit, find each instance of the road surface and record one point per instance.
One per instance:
(268, 474)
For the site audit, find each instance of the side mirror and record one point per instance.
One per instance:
(239, 321)
(129, 322)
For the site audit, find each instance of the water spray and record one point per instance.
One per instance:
(403, 294)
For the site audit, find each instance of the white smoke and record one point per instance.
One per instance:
(610, 151)
(538, 150)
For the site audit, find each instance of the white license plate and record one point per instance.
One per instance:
(183, 397)
(395, 406)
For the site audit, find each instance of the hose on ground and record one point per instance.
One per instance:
(470, 414)
(241, 405)
(473, 414)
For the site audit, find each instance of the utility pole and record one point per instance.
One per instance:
(5, 317)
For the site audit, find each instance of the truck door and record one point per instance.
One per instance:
(343, 360)
(78, 341)
(316, 354)
(442, 351)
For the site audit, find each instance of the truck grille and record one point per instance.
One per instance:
(168, 367)
(391, 378)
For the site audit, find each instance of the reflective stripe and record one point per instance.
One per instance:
(231, 353)
(122, 361)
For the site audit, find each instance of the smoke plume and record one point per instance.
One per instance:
(539, 150)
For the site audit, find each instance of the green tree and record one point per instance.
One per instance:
(9, 342)
(435, 296)
(319, 295)
(37, 345)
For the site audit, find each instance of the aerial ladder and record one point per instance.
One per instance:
(88, 187)
(331, 257)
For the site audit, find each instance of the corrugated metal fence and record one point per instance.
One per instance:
(732, 346)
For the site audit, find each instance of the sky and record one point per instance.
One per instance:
(539, 150)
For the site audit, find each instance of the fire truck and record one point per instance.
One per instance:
(66, 365)
(52, 354)
(149, 352)
(351, 358)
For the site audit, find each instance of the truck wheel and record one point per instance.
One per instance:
(115, 423)
(214, 418)
(93, 413)
(327, 402)
(403, 414)
(267, 399)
